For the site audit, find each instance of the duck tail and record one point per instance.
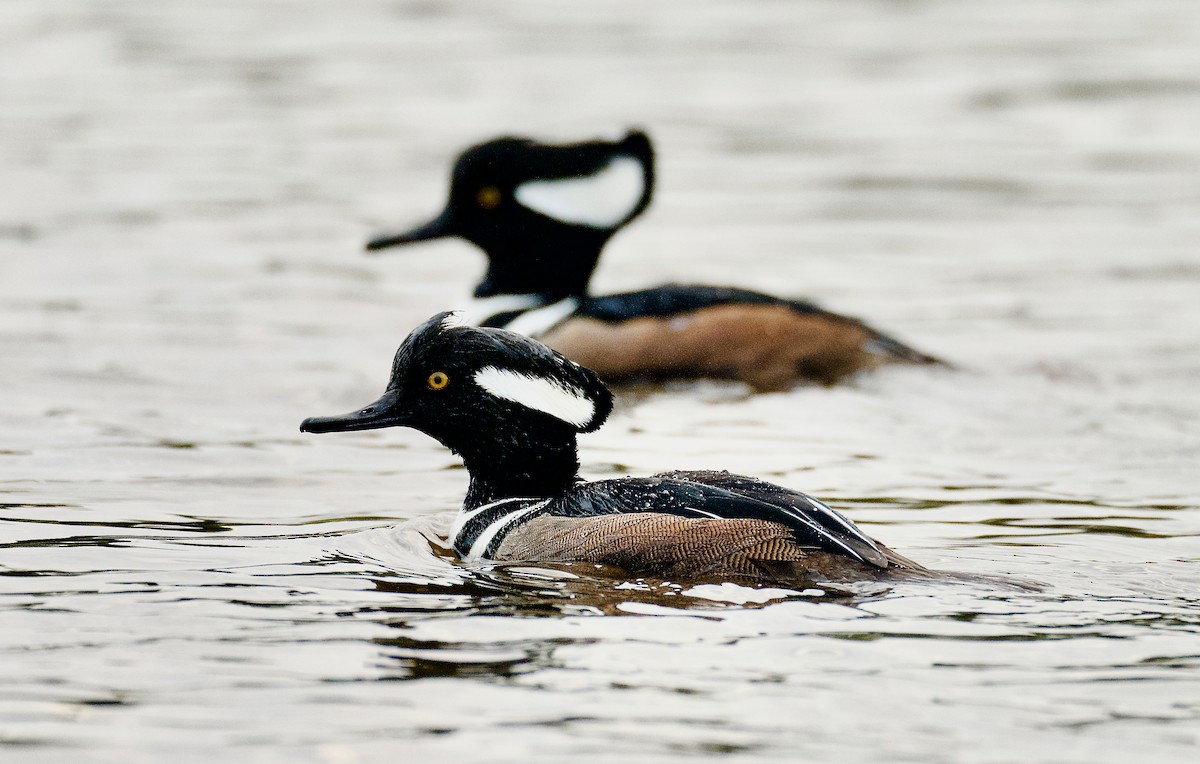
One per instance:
(895, 350)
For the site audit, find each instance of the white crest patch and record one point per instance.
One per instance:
(600, 200)
(543, 394)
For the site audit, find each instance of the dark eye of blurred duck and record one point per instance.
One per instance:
(488, 197)
(437, 380)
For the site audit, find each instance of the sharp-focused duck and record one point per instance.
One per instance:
(512, 408)
(542, 213)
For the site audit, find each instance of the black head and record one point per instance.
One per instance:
(484, 393)
(540, 212)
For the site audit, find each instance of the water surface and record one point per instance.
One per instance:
(186, 577)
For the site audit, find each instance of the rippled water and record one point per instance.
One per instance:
(186, 577)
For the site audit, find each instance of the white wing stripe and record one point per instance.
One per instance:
(824, 533)
(840, 519)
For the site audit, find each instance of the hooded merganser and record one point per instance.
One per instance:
(542, 213)
(512, 407)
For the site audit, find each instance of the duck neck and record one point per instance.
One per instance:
(553, 267)
(533, 471)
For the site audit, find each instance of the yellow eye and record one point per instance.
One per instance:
(488, 197)
(437, 380)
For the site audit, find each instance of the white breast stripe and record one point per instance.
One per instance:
(543, 394)
(464, 516)
(486, 307)
(481, 544)
(601, 200)
(542, 320)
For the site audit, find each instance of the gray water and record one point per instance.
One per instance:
(186, 188)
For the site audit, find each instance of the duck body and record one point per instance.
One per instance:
(679, 331)
(512, 408)
(681, 525)
(543, 247)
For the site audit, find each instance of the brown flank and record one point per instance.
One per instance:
(770, 347)
(680, 548)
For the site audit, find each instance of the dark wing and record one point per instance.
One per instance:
(670, 299)
(785, 498)
(720, 495)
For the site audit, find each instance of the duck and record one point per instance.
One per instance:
(542, 214)
(512, 409)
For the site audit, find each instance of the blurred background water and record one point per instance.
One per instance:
(186, 188)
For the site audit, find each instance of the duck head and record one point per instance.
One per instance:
(540, 212)
(510, 406)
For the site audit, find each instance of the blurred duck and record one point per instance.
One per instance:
(542, 213)
(512, 408)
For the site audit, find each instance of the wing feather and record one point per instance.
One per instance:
(720, 495)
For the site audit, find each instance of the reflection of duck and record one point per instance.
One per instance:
(512, 408)
(542, 213)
